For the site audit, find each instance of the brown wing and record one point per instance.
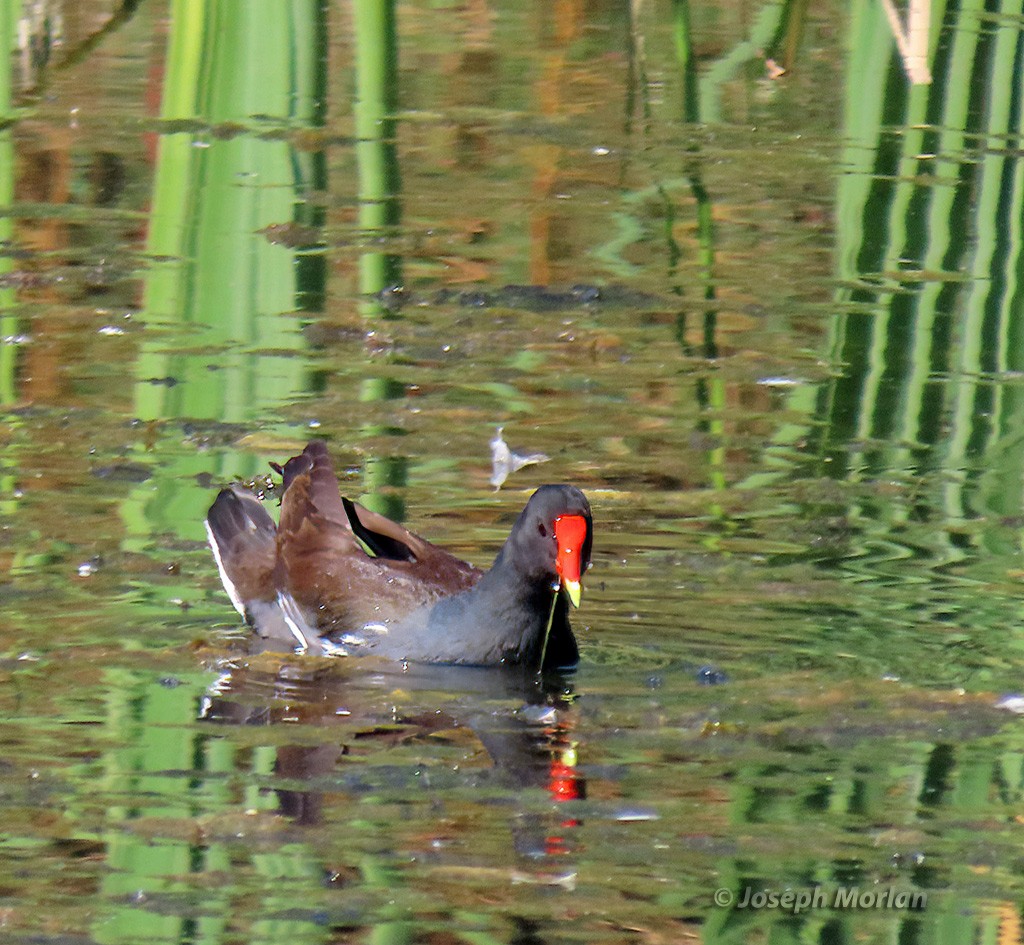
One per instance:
(322, 564)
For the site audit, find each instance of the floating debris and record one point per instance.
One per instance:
(539, 714)
(123, 471)
(89, 568)
(1012, 703)
(505, 461)
(632, 815)
(711, 676)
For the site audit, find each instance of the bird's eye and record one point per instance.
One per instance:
(542, 529)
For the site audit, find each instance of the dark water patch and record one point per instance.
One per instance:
(123, 472)
(530, 298)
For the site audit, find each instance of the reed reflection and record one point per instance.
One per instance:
(231, 211)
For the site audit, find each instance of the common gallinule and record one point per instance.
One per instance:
(310, 584)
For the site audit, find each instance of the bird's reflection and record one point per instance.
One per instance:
(525, 724)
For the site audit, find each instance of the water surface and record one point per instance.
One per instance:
(741, 281)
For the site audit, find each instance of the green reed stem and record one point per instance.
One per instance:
(547, 629)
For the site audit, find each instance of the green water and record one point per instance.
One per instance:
(788, 378)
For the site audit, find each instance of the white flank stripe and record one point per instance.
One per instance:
(224, 579)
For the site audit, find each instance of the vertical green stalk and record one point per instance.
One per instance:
(993, 299)
(151, 736)
(846, 398)
(785, 40)
(9, 10)
(710, 389)
(716, 75)
(684, 57)
(376, 158)
(796, 17)
(547, 628)
(374, 110)
(637, 86)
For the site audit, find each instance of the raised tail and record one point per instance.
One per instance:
(243, 538)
